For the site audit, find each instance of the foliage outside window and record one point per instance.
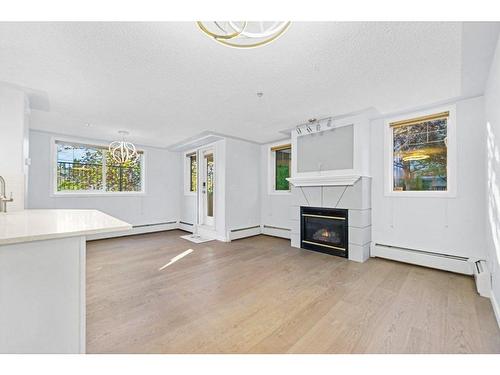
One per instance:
(210, 184)
(86, 168)
(193, 172)
(420, 154)
(282, 167)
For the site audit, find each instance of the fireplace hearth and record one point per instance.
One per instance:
(324, 230)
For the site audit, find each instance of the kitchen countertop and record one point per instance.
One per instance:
(36, 225)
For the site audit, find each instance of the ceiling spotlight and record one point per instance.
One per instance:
(259, 94)
(318, 127)
(311, 121)
(88, 125)
(329, 123)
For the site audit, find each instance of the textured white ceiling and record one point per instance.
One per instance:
(165, 82)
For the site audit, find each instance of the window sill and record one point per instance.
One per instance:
(280, 192)
(97, 194)
(420, 194)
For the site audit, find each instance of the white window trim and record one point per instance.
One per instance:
(187, 173)
(271, 169)
(84, 193)
(451, 156)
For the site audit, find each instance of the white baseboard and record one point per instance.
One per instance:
(423, 258)
(276, 232)
(496, 307)
(236, 234)
(140, 229)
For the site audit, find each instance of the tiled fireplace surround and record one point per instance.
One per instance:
(355, 198)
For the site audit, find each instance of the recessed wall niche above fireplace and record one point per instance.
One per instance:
(324, 230)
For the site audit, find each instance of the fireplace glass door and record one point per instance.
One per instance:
(324, 230)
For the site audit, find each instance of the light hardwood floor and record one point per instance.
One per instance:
(259, 295)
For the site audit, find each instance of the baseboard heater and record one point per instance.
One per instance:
(152, 225)
(425, 258)
(247, 228)
(483, 278)
(136, 229)
(277, 228)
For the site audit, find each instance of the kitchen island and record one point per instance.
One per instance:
(42, 278)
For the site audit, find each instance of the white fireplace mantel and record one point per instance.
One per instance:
(344, 180)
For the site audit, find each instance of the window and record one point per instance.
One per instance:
(90, 168)
(420, 153)
(282, 156)
(192, 172)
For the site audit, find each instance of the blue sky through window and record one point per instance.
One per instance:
(68, 153)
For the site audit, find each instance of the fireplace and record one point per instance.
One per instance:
(324, 230)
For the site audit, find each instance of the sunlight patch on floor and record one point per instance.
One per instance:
(176, 258)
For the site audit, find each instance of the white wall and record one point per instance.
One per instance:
(188, 208)
(492, 109)
(242, 184)
(159, 204)
(13, 144)
(447, 225)
(274, 208)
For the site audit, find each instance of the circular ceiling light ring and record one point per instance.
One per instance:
(219, 37)
(276, 28)
(257, 44)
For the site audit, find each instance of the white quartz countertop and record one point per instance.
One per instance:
(36, 225)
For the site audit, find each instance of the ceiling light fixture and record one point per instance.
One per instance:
(416, 157)
(243, 34)
(123, 151)
(310, 122)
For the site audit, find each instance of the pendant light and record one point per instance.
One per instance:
(123, 151)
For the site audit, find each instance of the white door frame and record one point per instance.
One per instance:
(203, 219)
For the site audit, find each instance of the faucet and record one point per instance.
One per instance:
(3, 197)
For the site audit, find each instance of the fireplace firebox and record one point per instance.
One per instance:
(324, 230)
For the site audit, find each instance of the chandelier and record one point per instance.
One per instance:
(243, 34)
(123, 151)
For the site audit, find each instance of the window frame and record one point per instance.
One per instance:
(187, 172)
(451, 156)
(89, 193)
(272, 168)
